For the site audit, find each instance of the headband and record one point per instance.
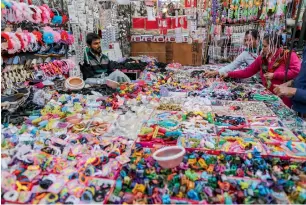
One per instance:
(45, 15)
(6, 36)
(20, 38)
(36, 14)
(15, 42)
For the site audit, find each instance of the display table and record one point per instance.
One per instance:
(183, 53)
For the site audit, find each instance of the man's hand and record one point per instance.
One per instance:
(269, 76)
(284, 91)
(211, 74)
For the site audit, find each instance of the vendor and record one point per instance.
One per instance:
(251, 42)
(296, 90)
(271, 64)
(93, 57)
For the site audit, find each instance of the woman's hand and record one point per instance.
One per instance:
(269, 76)
(211, 74)
(284, 91)
(224, 75)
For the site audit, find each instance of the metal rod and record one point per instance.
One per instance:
(292, 40)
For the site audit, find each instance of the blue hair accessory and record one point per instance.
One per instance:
(7, 4)
(176, 133)
(48, 38)
(57, 19)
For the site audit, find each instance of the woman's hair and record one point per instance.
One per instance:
(254, 33)
(247, 33)
(275, 39)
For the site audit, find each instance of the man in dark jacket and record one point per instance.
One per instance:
(296, 89)
(93, 56)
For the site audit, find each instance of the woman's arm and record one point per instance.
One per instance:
(248, 72)
(293, 71)
(235, 64)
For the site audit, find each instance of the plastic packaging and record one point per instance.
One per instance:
(119, 77)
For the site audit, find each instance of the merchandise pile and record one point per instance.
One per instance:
(96, 145)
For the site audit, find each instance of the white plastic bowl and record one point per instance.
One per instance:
(169, 157)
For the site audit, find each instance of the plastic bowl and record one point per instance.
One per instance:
(169, 157)
(74, 83)
(112, 84)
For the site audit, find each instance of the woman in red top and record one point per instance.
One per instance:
(272, 65)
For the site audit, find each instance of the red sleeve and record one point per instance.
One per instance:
(293, 71)
(248, 72)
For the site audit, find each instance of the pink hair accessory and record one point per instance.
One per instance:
(45, 15)
(56, 36)
(20, 38)
(36, 14)
(70, 39)
(27, 12)
(17, 11)
(49, 10)
(15, 42)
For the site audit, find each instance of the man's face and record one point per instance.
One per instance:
(95, 46)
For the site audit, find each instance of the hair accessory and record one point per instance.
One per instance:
(48, 37)
(57, 19)
(11, 196)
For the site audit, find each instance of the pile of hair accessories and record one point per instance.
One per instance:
(16, 12)
(25, 41)
(97, 145)
(205, 178)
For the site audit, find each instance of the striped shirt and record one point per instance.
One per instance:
(98, 64)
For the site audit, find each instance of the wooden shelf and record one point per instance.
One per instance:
(183, 53)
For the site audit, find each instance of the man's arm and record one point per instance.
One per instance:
(300, 95)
